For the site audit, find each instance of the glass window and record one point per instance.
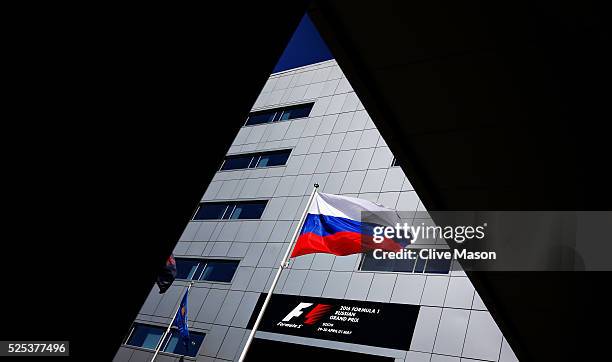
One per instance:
(237, 162)
(370, 263)
(273, 158)
(186, 268)
(248, 210)
(219, 270)
(279, 114)
(145, 336)
(296, 112)
(260, 117)
(404, 265)
(212, 270)
(198, 272)
(230, 210)
(418, 265)
(210, 211)
(252, 160)
(148, 337)
(175, 345)
(373, 264)
(439, 266)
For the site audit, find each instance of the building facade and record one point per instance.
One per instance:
(308, 126)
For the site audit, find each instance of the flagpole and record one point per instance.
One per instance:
(161, 341)
(284, 263)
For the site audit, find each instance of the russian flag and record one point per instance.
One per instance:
(333, 225)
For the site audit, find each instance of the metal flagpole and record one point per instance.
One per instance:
(161, 341)
(284, 263)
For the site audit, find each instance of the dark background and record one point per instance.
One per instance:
(115, 118)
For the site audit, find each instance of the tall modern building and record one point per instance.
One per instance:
(308, 126)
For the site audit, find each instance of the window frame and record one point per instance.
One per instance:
(253, 163)
(227, 204)
(169, 336)
(272, 153)
(414, 266)
(263, 111)
(201, 267)
(255, 159)
(222, 261)
(232, 205)
(162, 342)
(243, 203)
(296, 106)
(195, 270)
(278, 113)
(231, 157)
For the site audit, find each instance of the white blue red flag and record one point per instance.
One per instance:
(333, 225)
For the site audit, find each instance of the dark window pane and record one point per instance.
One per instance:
(219, 270)
(145, 336)
(230, 210)
(296, 112)
(199, 271)
(372, 264)
(278, 115)
(404, 265)
(273, 158)
(185, 268)
(440, 266)
(237, 162)
(175, 345)
(250, 210)
(420, 265)
(254, 161)
(260, 117)
(210, 211)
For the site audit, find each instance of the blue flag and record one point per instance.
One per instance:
(180, 321)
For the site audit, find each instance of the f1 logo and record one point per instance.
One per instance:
(297, 311)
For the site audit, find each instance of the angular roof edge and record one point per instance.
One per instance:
(297, 69)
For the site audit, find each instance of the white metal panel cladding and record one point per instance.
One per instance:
(333, 149)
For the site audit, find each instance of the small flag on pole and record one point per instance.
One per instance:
(333, 225)
(180, 321)
(167, 275)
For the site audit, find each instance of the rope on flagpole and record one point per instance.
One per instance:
(284, 263)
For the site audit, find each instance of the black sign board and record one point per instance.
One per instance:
(386, 325)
